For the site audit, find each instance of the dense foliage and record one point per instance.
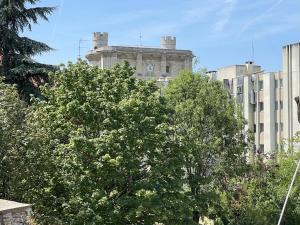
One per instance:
(210, 133)
(16, 52)
(261, 200)
(105, 148)
(104, 151)
(12, 112)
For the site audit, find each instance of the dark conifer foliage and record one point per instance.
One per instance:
(16, 52)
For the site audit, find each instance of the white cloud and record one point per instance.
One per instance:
(194, 14)
(131, 16)
(275, 19)
(268, 12)
(285, 24)
(225, 17)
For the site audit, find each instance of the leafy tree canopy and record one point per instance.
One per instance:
(104, 150)
(12, 113)
(264, 193)
(209, 129)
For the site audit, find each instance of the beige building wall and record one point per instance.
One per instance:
(269, 111)
(273, 115)
(291, 83)
(150, 63)
(260, 92)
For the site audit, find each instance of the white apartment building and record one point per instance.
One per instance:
(267, 99)
(155, 63)
(291, 83)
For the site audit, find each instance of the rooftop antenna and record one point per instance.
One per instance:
(140, 38)
(81, 47)
(252, 51)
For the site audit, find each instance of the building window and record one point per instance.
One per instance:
(280, 82)
(261, 106)
(260, 85)
(278, 104)
(276, 83)
(254, 128)
(261, 149)
(281, 104)
(261, 127)
(240, 90)
(279, 126)
(167, 69)
(254, 108)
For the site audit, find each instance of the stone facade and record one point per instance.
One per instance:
(152, 63)
(14, 213)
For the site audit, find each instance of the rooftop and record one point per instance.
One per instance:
(134, 48)
(6, 205)
(291, 44)
(237, 65)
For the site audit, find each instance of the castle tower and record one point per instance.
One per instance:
(100, 39)
(168, 42)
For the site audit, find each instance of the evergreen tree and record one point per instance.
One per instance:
(17, 65)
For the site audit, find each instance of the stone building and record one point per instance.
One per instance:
(267, 99)
(154, 63)
(14, 213)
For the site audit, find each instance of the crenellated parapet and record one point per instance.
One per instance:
(168, 42)
(100, 39)
(155, 63)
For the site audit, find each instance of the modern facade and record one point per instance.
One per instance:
(291, 82)
(267, 99)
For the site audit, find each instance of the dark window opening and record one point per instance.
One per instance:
(261, 106)
(167, 69)
(261, 127)
(281, 82)
(261, 85)
(261, 149)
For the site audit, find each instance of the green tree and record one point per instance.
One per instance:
(209, 129)
(264, 194)
(263, 191)
(103, 151)
(12, 113)
(16, 52)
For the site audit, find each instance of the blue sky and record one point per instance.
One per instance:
(219, 32)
